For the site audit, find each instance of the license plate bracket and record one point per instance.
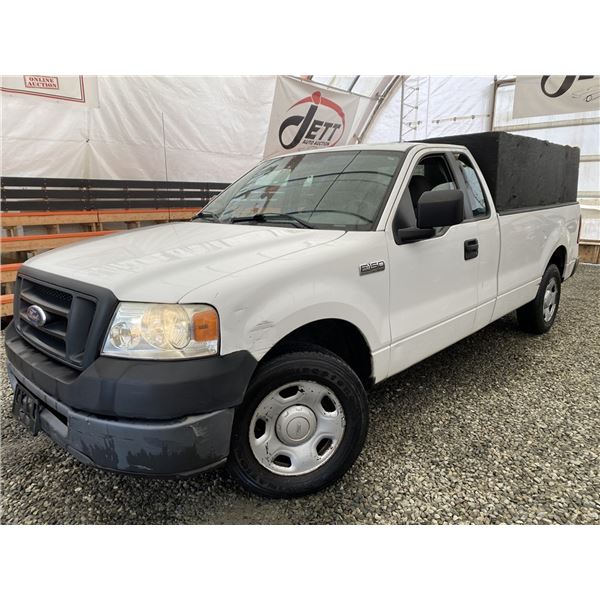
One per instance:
(26, 408)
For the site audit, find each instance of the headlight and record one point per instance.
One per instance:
(163, 331)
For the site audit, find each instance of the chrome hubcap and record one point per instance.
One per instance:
(296, 428)
(550, 296)
(295, 425)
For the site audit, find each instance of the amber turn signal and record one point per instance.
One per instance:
(205, 325)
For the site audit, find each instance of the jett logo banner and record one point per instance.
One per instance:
(306, 117)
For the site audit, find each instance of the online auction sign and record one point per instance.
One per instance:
(75, 89)
(308, 117)
(555, 94)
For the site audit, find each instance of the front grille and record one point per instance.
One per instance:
(69, 316)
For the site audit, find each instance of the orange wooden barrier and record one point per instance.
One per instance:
(14, 219)
(25, 243)
(8, 273)
(6, 305)
(87, 217)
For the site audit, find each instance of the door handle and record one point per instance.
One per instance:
(471, 249)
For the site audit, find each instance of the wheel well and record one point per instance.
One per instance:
(559, 258)
(337, 336)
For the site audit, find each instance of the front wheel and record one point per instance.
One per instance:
(302, 425)
(538, 315)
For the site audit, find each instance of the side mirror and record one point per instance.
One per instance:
(440, 208)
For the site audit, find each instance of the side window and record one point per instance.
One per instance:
(432, 173)
(475, 194)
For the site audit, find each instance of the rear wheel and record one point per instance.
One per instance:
(301, 427)
(538, 315)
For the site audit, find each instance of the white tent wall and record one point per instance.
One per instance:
(40, 137)
(434, 106)
(214, 130)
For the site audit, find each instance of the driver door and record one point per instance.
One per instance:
(433, 285)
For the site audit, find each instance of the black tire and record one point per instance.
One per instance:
(531, 315)
(311, 364)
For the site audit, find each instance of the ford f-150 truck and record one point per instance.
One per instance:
(252, 334)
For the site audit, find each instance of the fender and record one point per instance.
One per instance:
(262, 336)
(564, 235)
(259, 306)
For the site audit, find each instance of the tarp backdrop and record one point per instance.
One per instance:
(216, 128)
(177, 128)
(212, 128)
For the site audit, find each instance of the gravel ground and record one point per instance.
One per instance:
(500, 428)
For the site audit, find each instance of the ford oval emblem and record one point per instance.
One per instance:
(36, 315)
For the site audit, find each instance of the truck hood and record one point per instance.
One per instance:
(165, 262)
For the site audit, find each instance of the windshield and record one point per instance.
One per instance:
(324, 190)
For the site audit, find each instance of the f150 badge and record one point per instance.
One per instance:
(371, 267)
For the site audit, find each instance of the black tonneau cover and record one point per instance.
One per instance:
(522, 173)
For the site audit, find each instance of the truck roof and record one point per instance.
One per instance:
(396, 146)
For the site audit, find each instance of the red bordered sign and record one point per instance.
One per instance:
(67, 88)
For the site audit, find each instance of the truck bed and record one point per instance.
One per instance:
(527, 240)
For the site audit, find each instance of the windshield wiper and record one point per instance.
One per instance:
(209, 216)
(265, 217)
(342, 212)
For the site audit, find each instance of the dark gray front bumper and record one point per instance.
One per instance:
(178, 447)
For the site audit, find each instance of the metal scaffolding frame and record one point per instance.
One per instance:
(409, 108)
(389, 85)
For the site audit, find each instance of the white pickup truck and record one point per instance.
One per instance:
(252, 334)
